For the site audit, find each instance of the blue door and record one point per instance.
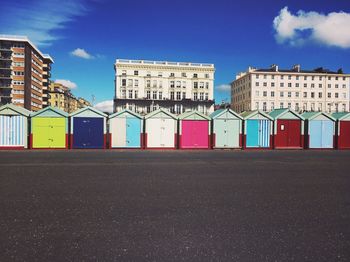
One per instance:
(327, 134)
(315, 132)
(252, 133)
(133, 131)
(264, 133)
(88, 132)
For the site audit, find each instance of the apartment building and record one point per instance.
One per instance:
(144, 86)
(301, 90)
(24, 73)
(61, 97)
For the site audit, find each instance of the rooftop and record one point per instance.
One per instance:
(162, 63)
(19, 38)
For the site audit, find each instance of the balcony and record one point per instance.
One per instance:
(5, 48)
(5, 76)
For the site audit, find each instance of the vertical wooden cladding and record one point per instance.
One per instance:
(194, 131)
(257, 130)
(13, 127)
(126, 130)
(88, 129)
(320, 130)
(288, 129)
(160, 130)
(226, 129)
(49, 129)
(342, 130)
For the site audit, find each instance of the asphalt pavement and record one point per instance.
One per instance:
(107, 205)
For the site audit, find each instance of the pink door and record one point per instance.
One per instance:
(194, 134)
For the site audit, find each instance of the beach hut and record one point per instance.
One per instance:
(88, 129)
(13, 127)
(257, 130)
(194, 130)
(319, 130)
(125, 130)
(49, 129)
(288, 131)
(160, 130)
(342, 129)
(226, 129)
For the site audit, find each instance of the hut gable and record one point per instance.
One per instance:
(49, 112)
(88, 112)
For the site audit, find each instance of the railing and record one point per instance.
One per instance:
(148, 62)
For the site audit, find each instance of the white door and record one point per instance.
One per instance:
(153, 127)
(118, 132)
(167, 132)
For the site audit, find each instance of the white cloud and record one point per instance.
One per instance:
(79, 52)
(328, 29)
(223, 88)
(105, 106)
(67, 83)
(40, 20)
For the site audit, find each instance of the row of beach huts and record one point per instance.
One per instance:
(88, 128)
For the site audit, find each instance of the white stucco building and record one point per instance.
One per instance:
(300, 90)
(144, 86)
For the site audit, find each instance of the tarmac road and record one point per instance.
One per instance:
(110, 205)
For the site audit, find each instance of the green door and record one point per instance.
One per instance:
(49, 132)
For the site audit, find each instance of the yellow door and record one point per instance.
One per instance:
(49, 132)
(57, 132)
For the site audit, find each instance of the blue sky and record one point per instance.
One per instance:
(86, 36)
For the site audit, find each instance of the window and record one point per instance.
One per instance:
(296, 94)
(148, 109)
(289, 77)
(336, 78)
(312, 94)
(195, 84)
(344, 95)
(312, 78)
(297, 78)
(256, 93)
(257, 76)
(329, 95)
(201, 85)
(183, 84)
(160, 74)
(336, 95)
(178, 84)
(296, 106)
(312, 85)
(304, 107)
(289, 105)
(289, 94)
(183, 74)
(123, 82)
(329, 86)
(206, 96)
(136, 73)
(183, 95)
(154, 94)
(272, 106)
(160, 83)
(305, 94)
(154, 83)
(178, 95)
(123, 93)
(272, 93)
(319, 95)
(148, 83)
(148, 73)
(281, 84)
(136, 94)
(265, 84)
(206, 75)
(289, 84)
(265, 76)
(129, 82)
(305, 85)
(130, 94)
(281, 105)
(136, 82)
(344, 107)
(305, 77)
(319, 109)
(281, 94)
(172, 74)
(336, 86)
(172, 84)
(201, 96)
(172, 97)
(124, 73)
(273, 84)
(195, 96)
(329, 78)
(195, 75)
(148, 94)
(265, 93)
(296, 84)
(256, 105)
(282, 77)
(264, 106)
(320, 85)
(312, 106)
(206, 85)
(160, 95)
(344, 86)
(257, 84)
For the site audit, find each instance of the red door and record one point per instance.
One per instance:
(344, 136)
(194, 134)
(288, 133)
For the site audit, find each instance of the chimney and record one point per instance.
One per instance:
(296, 68)
(274, 67)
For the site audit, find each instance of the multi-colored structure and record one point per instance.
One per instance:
(13, 127)
(342, 129)
(194, 130)
(160, 130)
(226, 129)
(288, 131)
(88, 129)
(125, 130)
(49, 129)
(257, 130)
(319, 130)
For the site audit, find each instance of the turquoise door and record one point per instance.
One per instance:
(315, 132)
(133, 131)
(327, 134)
(252, 133)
